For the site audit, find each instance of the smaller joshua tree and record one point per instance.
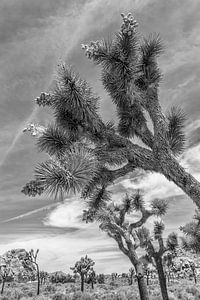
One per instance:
(91, 277)
(43, 277)
(83, 267)
(156, 253)
(131, 275)
(32, 258)
(117, 221)
(6, 272)
(101, 278)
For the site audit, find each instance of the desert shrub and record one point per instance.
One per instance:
(192, 290)
(50, 289)
(59, 296)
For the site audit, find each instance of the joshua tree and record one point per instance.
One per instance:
(6, 272)
(83, 149)
(101, 278)
(118, 222)
(32, 257)
(43, 277)
(131, 275)
(83, 267)
(146, 241)
(91, 278)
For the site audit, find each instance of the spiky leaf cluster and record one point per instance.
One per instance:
(158, 229)
(75, 107)
(175, 135)
(172, 241)
(137, 201)
(143, 234)
(99, 198)
(71, 173)
(54, 140)
(191, 238)
(159, 206)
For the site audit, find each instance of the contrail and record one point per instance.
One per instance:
(47, 207)
(63, 48)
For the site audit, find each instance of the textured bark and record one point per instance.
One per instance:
(144, 295)
(173, 171)
(143, 291)
(162, 278)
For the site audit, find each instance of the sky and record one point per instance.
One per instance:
(35, 36)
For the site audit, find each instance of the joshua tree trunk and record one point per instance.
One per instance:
(2, 287)
(194, 275)
(144, 295)
(92, 284)
(147, 278)
(38, 280)
(143, 291)
(162, 278)
(82, 282)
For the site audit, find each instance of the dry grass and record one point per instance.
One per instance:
(184, 290)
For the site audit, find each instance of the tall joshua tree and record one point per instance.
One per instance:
(156, 255)
(83, 149)
(118, 222)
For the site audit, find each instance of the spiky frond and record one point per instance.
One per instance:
(172, 241)
(71, 174)
(175, 134)
(151, 48)
(148, 72)
(144, 236)
(158, 229)
(99, 198)
(190, 228)
(190, 244)
(127, 204)
(137, 201)
(159, 207)
(54, 140)
(73, 97)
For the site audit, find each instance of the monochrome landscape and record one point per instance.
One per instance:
(100, 149)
